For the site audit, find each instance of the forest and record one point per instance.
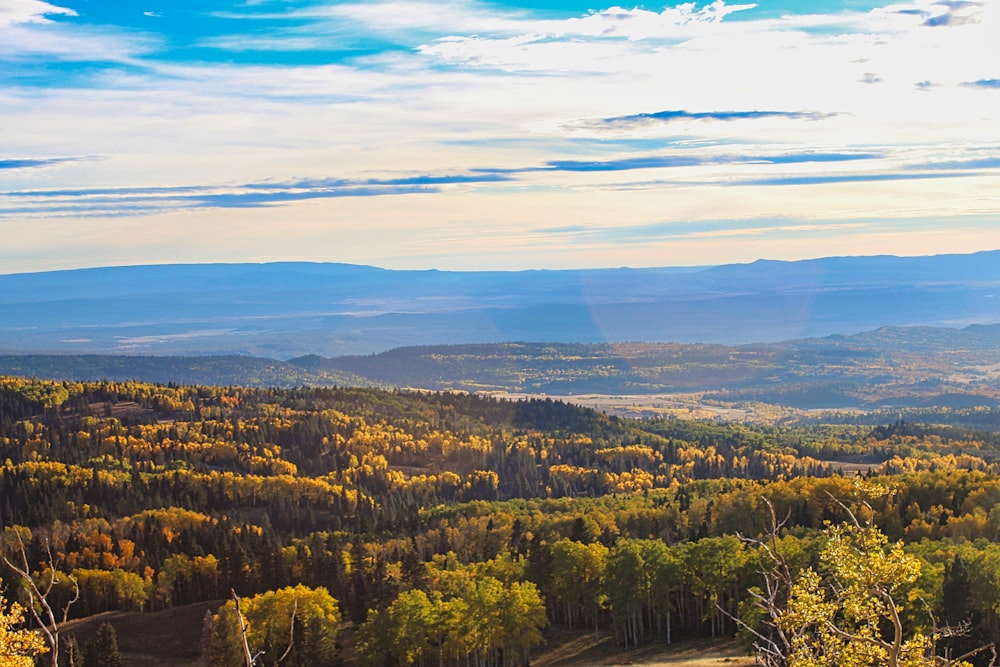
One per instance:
(456, 529)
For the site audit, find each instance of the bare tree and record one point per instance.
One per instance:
(40, 592)
(770, 641)
(251, 658)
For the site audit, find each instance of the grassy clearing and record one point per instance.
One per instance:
(566, 649)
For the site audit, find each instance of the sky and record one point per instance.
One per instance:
(495, 135)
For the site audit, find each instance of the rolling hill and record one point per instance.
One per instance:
(914, 366)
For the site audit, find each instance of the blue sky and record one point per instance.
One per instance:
(500, 135)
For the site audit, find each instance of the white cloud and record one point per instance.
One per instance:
(26, 32)
(29, 11)
(269, 42)
(94, 44)
(466, 18)
(673, 22)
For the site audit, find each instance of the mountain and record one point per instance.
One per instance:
(284, 310)
(912, 366)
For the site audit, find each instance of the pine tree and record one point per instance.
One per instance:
(207, 632)
(956, 592)
(102, 650)
(957, 611)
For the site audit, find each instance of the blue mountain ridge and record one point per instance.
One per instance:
(287, 309)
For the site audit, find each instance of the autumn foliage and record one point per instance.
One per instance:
(448, 528)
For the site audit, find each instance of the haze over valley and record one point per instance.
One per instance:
(287, 310)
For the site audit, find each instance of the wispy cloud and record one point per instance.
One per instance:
(150, 200)
(982, 83)
(847, 178)
(692, 160)
(701, 229)
(33, 163)
(741, 228)
(255, 199)
(670, 116)
(95, 201)
(952, 13)
(975, 163)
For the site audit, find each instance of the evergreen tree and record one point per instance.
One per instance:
(207, 633)
(956, 592)
(102, 650)
(957, 612)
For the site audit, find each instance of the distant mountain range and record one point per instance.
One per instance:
(285, 310)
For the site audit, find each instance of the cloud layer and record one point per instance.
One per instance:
(267, 131)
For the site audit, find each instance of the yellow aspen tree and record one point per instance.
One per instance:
(850, 611)
(18, 647)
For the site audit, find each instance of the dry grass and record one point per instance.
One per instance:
(580, 650)
(170, 638)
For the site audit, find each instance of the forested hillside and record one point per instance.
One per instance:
(447, 528)
(214, 370)
(915, 367)
(903, 365)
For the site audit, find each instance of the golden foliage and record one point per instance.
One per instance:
(17, 645)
